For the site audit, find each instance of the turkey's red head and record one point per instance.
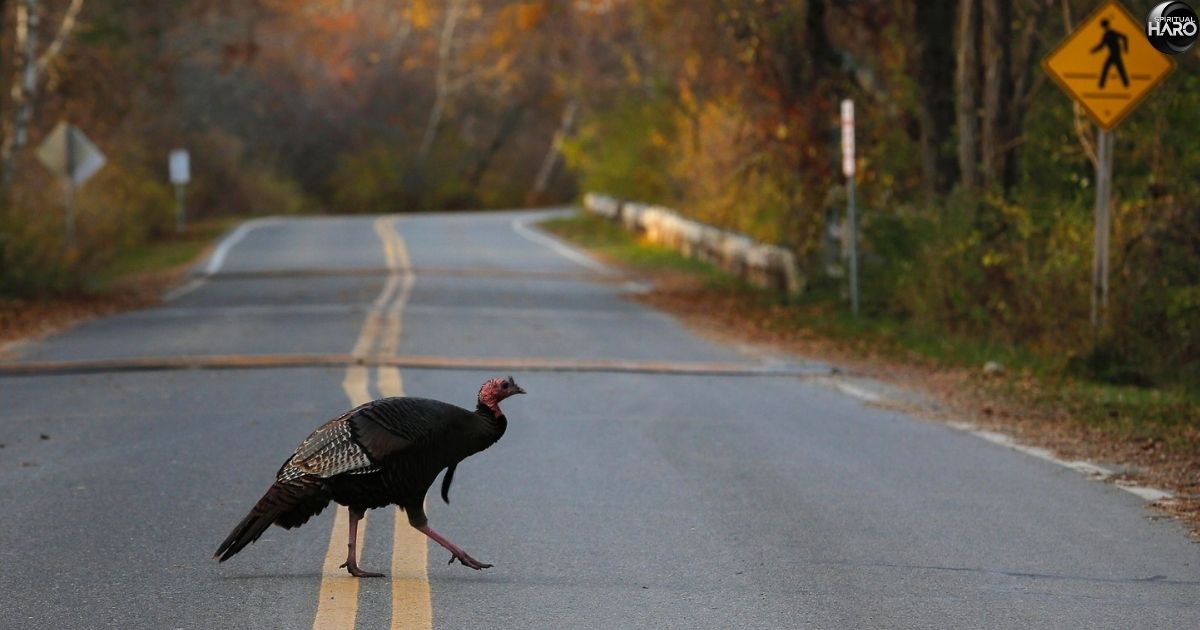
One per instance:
(498, 389)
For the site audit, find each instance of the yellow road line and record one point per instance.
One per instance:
(411, 602)
(337, 603)
(391, 338)
(370, 329)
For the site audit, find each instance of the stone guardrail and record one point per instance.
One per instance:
(767, 266)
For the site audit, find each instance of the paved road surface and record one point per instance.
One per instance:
(617, 499)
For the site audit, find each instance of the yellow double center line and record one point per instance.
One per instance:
(337, 606)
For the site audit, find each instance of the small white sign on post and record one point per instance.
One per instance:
(848, 138)
(851, 207)
(180, 167)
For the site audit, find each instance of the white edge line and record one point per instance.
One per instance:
(218, 257)
(1087, 468)
(520, 226)
(180, 291)
(857, 392)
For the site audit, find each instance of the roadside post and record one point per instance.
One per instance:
(70, 154)
(848, 169)
(1108, 66)
(179, 167)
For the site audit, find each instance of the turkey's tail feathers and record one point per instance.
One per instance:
(287, 504)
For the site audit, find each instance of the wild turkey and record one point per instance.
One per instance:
(384, 452)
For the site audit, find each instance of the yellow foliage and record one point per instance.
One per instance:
(419, 14)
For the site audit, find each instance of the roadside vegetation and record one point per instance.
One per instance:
(133, 277)
(1151, 433)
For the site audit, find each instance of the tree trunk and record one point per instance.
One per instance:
(508, 125)
(935, 94)
(454, 10)
(966, 80)
(24, 88)
(1026, 79)
(550, 162)
(997, 90)
(30, 67)
(60, 38)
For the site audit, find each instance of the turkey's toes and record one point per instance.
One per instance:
(359, 573)
(468, 561)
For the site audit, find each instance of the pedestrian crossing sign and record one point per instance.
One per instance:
(1107, 64)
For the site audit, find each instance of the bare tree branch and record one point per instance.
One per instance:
(64, 31)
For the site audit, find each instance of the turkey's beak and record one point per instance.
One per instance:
(520, 390)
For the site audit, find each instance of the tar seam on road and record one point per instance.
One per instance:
(337, 606)
(422, 362)
(357, 272)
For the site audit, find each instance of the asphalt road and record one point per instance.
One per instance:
(619, 498)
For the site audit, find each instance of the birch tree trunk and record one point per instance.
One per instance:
(24, 87)
(454, 10)
(29, 68)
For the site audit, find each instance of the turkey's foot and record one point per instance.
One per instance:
(467, 561)
(353, 569)
(456, 552)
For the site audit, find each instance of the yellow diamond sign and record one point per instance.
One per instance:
(1107, 64)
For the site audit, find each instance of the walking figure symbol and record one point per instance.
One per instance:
(1116, 42)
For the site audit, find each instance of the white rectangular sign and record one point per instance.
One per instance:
(180, 167)
(848, 138)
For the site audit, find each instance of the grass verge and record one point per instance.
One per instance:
(1152, 435)
(137, 277)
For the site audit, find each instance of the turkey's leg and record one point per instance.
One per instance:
(455, 550)
(351, 563)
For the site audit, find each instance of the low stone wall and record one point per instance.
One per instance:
(767, 266)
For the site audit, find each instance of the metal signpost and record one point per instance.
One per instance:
(72, 156)
(179, 165)
(852, 211)
(1108, 66)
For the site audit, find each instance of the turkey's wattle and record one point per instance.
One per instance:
(387, 451)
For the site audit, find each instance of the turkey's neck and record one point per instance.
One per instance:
(492, 414)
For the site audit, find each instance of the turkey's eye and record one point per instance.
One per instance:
(504, 386)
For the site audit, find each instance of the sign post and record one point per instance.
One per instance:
(848, 169)
(1108, 66)
(72, 156)
(178, 163)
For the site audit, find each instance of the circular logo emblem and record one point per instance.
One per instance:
(1171, 27)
